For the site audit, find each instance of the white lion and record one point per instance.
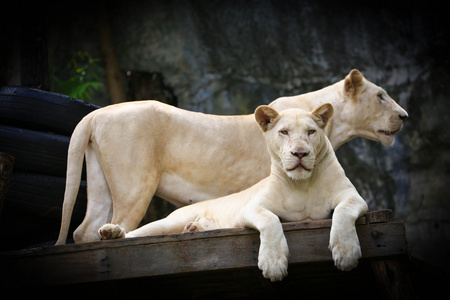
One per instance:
(136, 150)
(306, 181)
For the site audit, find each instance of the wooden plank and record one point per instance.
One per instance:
(311, 224)
(216, 250)
(393, 275)
(379, 216)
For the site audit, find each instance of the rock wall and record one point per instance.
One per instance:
(227, 57)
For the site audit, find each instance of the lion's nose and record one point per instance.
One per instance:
(403, 117)
(300, 154)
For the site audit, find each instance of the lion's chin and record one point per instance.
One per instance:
(299, 173)
(387, 138)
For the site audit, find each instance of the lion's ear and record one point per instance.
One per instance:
(323, 113)
(265, 115)
(353, 81)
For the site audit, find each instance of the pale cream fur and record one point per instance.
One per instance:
(306, 181)
(136, 150)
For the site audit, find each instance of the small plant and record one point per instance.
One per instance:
(84, 77)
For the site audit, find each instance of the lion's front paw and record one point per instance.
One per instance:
(273, 269)
(345, 252)
(274, 262)
(111, 231)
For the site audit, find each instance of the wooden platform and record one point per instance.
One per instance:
(211, 263)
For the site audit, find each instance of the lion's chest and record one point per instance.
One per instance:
(304, 206)
(313, 214)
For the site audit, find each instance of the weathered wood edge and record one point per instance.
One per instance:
(370, 217)
(218, 250)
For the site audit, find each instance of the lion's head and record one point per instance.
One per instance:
(362, 109)
(295, 137)
(375, 114)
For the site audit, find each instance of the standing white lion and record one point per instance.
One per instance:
(136, 150)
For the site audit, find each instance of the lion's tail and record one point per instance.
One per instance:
(75, 157)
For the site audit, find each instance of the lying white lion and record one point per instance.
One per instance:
(306, 181)
(137, 149)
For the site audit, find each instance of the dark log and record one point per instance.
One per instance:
(35, 109)
(6, 168)
(35, 152)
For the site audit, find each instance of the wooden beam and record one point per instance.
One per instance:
(214, 250)
(394, 276)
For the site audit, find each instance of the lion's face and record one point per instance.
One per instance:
(295, 140)
(378, 116)
(388, 116)
(294, 137)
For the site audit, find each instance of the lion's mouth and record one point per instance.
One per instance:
(299, 166)
(388, 133)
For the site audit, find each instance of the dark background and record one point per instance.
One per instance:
(228, 57)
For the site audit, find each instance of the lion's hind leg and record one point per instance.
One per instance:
(100, 203)
(202, 224)
(173, 223)
(160, 227)
(111, 231)
(193, 227)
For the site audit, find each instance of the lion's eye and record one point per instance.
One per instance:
(284, 132)
(311, 131)
(380, 96)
